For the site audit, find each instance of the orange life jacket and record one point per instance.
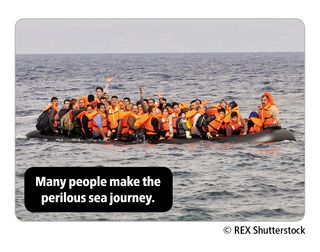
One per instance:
(266, 116)
(145, 121)
(174, 117)
(235, 126)
(125, 116)
(104, 124)
(148, 126)
(165, 123)
(227, 118)
(56, 116)
(113, 117)
(212, 111)
(190, 118)
(90, 116)
(215, 125)
(257, 125)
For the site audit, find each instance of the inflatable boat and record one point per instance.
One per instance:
(266, 136)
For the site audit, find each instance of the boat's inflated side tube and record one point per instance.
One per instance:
(267, 136)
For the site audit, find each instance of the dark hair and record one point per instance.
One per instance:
(114, 96)
(127, 98)
(99, 87)
(66, 100)
(233, 114)
(174, 104)
(151, 99)
(150, 109)
(90, 98)
(164, 99)
(233, 104)
(73, 100)
(168, 105)
(99, 105)
(222, 110)
(103, 98)
(146, 100)
(71, 104)
(89, 105)
(198, 100)
(138, 103)
(193, 101)
(54, 98)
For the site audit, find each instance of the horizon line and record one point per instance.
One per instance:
(77, 53)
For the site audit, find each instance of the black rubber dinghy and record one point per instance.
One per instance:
(267, 136)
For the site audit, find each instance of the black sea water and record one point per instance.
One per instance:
(212, 181)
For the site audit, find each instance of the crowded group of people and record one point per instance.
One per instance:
(105, 117)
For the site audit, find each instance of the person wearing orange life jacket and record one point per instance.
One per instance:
(92, 101)
(195, 120)
(236, 126)
(126, 127)
(213, 125)
(174, 115)
(214, 109)
(86, 121)
(150, 122)
(166, 131)
(52, 109)
(113, 116)
(254, 123)
(268, 112)
(99, 123)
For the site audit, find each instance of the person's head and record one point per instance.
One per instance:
(72, 105)
(200, 108)
(264, 100)
(198, 101)
(165, 112)
(233, 105)
(234, 116)
(223, 104)
(162, 100)
(182, 114)
(253, 114)
(128, 107)
(193, 104)
(54, 101)
(145, 102)
(152, 110)
(66, 103)
(89, 108)
(103, 100)
(99, 92)
(176, 107)
(90, 98)
(222, 112)
(101, 107)
(81, 103)
(126, 100)
(151, 102)
(135, 109)
(114, 101)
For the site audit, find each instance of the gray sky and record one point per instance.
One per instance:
(158, 35)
